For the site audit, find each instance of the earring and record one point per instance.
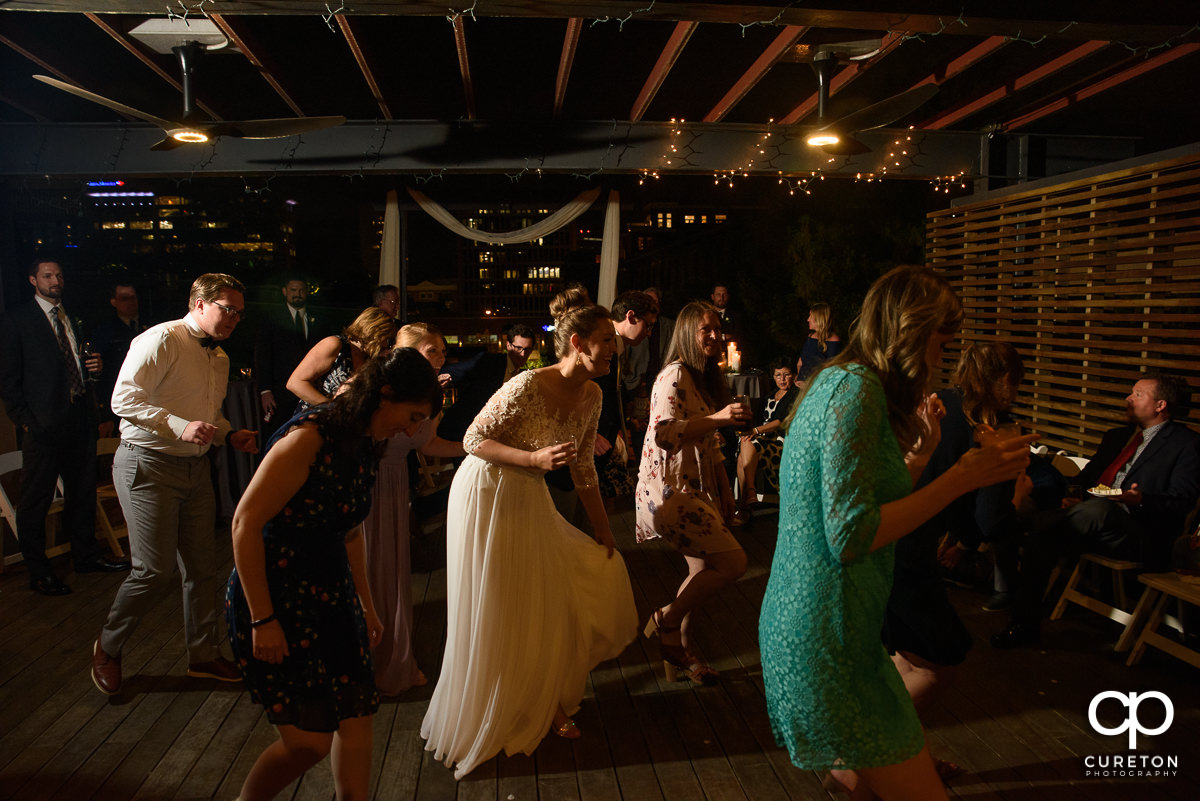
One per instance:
(579, 360)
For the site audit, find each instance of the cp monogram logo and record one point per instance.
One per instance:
(1131, 724)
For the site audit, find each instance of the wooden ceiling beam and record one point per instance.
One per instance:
(1153, 22)
(761, 66)
(23, 109)
(361, 58)
(890, 42)
(1136, 71)
(243, 46)
(45, 65)
(951, 116)
(565, 62)
(149, 62)
(464, 64)
(666, 60)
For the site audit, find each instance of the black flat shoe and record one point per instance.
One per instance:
(101, 564)
(1017, 635)
(49, 585)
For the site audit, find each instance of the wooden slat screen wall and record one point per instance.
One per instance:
(1092, 280)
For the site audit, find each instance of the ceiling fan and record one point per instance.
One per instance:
(836, 137)
(191, 125)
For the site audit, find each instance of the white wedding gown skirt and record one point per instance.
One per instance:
(533, 605)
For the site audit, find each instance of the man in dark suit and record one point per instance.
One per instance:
(1155, 463)
(477, 379)
(729, 318)
(286, 335)
(111, 338)
(42, 381)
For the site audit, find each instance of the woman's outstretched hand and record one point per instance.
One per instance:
(553, 457)
(1004, 461)
(732, 415)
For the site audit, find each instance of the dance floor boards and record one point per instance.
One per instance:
(1016, 721)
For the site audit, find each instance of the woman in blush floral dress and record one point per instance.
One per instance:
(683, 493)
(389, 563)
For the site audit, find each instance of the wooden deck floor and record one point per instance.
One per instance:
(1017, 721)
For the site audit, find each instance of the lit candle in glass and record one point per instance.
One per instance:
(735, 361)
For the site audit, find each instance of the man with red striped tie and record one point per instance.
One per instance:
(1152, 468)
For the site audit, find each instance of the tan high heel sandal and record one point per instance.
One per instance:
(678, 662)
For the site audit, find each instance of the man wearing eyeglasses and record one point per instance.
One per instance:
(168, 396)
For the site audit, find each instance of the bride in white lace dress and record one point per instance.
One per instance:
(533, 603)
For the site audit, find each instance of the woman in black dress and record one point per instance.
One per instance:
(301, 621)
(922, 630)
(765, 441)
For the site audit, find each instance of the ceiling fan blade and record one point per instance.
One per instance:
(104, 101)
(846, 145)
(270, 129)
(886, 111)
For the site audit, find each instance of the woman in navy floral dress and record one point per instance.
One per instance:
(683, 492)
(301, 621)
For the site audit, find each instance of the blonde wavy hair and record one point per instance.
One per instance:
(413, 334)
(824, 319)
(900, 312)
(373, 329)
(986, 373)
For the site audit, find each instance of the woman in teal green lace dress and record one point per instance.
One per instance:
(861, 434)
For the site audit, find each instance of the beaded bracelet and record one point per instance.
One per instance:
(262, 621)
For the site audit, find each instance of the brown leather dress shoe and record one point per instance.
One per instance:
(220, 669)
(106, 670)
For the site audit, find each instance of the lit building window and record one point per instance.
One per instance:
(719, 218)
(689, 219)
(668, 219)
(108, 225)
(165, 224)
(703, 219)
(485, 273)
(141, 225)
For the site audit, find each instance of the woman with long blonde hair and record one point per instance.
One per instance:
(822, 343)
(862, 433)
(683, 492)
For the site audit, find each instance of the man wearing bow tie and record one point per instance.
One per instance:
(168, 396)
(1155, 463)
(42, 379)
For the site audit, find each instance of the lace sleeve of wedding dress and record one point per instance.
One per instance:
(583, 469)
(500, 413)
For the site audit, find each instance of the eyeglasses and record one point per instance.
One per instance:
(237, 314)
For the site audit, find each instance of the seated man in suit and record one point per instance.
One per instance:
(477, 379)
(1155, 462)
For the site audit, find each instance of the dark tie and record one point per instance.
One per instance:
(208, 342)
(298, 319)
(74, 379)
(1110, 473)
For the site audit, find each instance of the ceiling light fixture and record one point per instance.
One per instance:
(821, 138)
(188, 135)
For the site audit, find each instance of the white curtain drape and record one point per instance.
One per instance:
(610, 251)
(389, 248)
(539, 229)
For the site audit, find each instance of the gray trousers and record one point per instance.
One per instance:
(170, 508)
